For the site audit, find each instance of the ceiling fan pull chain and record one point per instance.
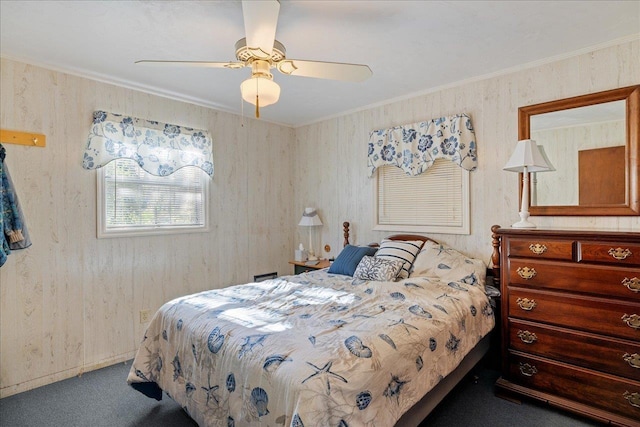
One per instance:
(257, 98)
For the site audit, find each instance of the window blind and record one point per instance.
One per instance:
(136, 200)
(437, 198)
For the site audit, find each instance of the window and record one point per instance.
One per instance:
(134, 202)
(435, 201)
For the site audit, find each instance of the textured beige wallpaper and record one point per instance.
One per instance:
(71, 302)
(331, 168)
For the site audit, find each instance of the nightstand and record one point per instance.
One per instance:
(301, 266)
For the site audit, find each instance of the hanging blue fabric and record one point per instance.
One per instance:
(14, 233)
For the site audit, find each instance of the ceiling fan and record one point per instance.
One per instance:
(261, 51)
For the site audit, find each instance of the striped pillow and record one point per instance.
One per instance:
(406, 251)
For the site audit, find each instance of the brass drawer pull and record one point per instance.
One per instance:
(526, 273)
(632, 359)
(620, 253)
(632, 321)
(633, 398)
(537, 249)
(632, 284)
(530, 370)
(527, 305)
(529, 337)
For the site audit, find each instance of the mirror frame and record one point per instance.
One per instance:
(631, 95)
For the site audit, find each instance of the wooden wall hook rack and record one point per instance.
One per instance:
(22, 138)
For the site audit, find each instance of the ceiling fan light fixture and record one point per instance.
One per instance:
(260, 90)
(261, 51)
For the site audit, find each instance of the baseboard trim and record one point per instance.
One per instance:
(10, 390)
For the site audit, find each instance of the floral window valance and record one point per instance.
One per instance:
(159, 148)
(415, 147)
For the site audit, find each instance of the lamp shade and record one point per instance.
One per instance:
(310, 218)
(527, 155)
(260, 90)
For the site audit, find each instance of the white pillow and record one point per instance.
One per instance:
(377, 269)
(403, 250)
(447, 264)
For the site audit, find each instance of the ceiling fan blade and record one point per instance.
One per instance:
(203, 64)
(260, 21)
(325, 70)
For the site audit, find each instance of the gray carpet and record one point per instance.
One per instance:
(103, 398)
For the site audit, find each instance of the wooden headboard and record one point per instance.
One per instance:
(495, 255)
(345, 228)
(493, 272)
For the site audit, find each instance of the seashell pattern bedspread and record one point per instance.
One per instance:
(316, 349)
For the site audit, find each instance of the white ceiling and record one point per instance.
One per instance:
(411, 46)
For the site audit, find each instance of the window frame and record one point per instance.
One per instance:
(464, 228)
(101, 223)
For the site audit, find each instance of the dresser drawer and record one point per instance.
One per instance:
(613, 356)
(618, 319)
(622, 282)
(545, 249)
(611, 253)
(608, 392)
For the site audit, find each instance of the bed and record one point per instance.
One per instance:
(324, 348)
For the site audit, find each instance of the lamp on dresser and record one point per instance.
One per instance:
(526, 158)
(311, 220)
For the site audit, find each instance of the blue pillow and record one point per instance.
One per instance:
(349, 258)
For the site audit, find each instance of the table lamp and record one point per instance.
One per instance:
(526, 158)
(310, 219)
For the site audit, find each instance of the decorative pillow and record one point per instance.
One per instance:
(378, 269)
(438, 260)
(349, 258)
(403, 250)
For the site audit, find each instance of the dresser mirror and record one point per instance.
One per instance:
(593, 144)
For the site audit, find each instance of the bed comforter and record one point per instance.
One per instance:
(316, 349)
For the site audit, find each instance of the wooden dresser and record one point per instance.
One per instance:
(571, 320)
